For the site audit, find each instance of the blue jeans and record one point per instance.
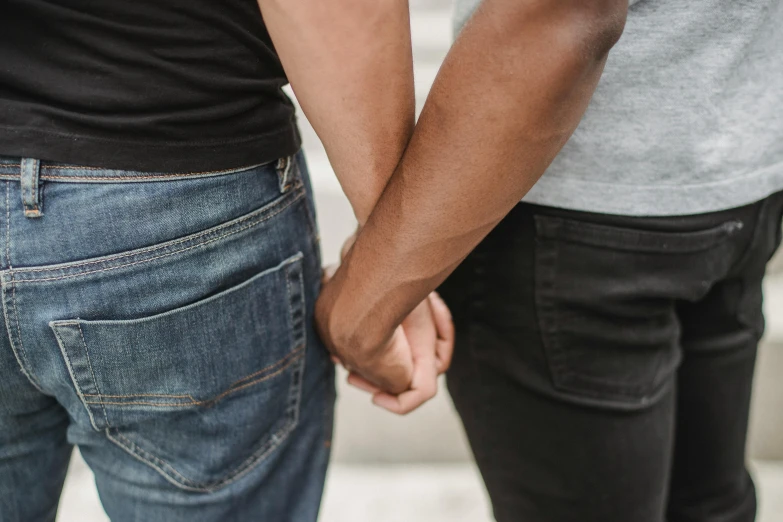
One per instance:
(163, 324)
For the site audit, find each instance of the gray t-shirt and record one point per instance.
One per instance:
(687, 118)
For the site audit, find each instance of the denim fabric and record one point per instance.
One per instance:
(603, 364)
(162, 323)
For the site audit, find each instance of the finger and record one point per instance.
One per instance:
(405, 402)
(363, 384)
(424, 386)
(348, 245)
(392, 370)
(445, 327)
(328, 273)
(445, 351)
(443, 320)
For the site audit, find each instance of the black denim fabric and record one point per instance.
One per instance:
(604, 364)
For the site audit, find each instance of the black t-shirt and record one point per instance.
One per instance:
(153, 85)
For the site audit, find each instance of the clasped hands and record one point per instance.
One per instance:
(401, 370)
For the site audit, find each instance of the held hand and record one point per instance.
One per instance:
(402, 373)
(430, 332)
(387, 365)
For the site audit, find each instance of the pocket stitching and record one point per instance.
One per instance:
(291, 419)
(74, 380)
(256, 458)
(92, 372)
(572, 231)
(545, 309)
(148, 458)
(296, 404)
(136, 253)
(157, 463)
(286, 361)
(563, 376)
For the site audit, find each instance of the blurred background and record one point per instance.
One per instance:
(419, 468)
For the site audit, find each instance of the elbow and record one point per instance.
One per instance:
(600, 24)
(585, 28)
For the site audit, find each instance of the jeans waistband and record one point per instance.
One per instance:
(12, 169)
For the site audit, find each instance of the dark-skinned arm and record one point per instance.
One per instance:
(508, 96)
(350, 64)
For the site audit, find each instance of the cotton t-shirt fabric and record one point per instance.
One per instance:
(687, 117)
(155, 85)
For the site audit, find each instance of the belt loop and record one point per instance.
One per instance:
(284, 173)
(31, 170)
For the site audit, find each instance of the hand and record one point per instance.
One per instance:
(402, 374)
(432, 316)
(388, 364)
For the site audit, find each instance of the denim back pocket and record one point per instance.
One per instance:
(605, 300)
(174, 389)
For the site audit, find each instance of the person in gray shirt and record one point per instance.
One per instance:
(607, 328)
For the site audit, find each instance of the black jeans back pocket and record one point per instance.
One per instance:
(605, 299)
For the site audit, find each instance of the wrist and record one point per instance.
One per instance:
(346, 322)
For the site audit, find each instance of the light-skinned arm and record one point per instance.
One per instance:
(350, 65)
(508, 96)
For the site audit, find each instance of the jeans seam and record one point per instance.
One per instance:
(148, 458)
(296, 406)
(312, 224)
(188, 396)
(637, 240)
(272, 367)
(19, 355)
(544, 310)
(92, 372)
(309, 203)
(75, 382)
(166, 175)
(174, 242)
(20, 348)
(8, 224)
(20, 359)
(167, 470)
(159, 247)
(748, 251)
(160, 395)
(330, 397)
(292, 412)
(286, 362)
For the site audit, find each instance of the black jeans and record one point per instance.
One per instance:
(603, 365)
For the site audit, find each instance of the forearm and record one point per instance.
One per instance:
(350, 64)
(510, 93)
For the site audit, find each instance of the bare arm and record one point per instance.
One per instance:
(508, 96)
(351, 67)
(350, 64)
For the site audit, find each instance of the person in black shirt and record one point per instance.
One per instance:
(161, 267)
(160, 253)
